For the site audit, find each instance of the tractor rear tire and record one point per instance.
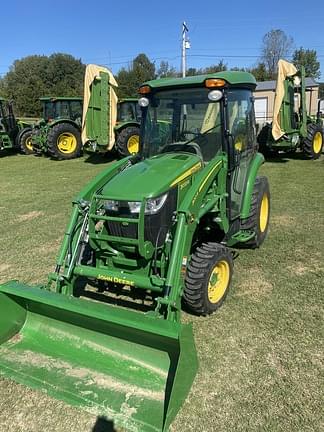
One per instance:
(313, 143)
(127, 141)
(258, 220)
(263, 138)
(25, 142)
(208, 278)
(64, 141)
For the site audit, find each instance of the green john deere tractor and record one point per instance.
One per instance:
(127, 127)
(108, 124)
(292, 128)
(14, 133)
(151, 231)
(58, 133)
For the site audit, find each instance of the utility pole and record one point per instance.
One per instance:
(185, 45)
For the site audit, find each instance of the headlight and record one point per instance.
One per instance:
(153, 205)
(134, 206)
(143, 102)
(111, 205)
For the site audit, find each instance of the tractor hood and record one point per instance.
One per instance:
(151, 177)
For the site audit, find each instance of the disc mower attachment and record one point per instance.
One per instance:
(133, 368)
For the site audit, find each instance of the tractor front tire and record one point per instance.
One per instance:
(313, 143)
(25, 142)
(208, 278)
(127, 141)
(64, 141)
(258, 220)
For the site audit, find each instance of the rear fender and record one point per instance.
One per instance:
(118, 128)
(60, 121)
(257, 161)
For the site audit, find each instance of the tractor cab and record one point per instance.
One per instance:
(58, 132)
(128, 110)
(210, 116)
(62, 108)
(209, 119)
(8, 122)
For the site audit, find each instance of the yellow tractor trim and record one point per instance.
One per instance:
(218, 281)
(133, 144)
(317, 142)
(67, 143)
(264, 213)
(29, 143)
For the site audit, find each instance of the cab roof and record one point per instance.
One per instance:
(233, 78)
(59, 98)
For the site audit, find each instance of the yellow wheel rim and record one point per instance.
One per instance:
(29, 143)
(133, 144)
(264, 213)
(67, 143)
(218, 281)
(317, 142)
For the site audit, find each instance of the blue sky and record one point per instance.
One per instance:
(112, 33)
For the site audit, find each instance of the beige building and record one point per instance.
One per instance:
(264, 95)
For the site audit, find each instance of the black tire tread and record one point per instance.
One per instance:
(308, 150)
(22, 142)
(53, 134)
(122, 139)
(197, 277)
(252, 222)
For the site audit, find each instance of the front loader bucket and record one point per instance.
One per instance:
(133, 368)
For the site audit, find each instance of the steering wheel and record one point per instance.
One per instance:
(182, 147)
(188, 132)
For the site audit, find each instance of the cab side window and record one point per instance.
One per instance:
(241, 119)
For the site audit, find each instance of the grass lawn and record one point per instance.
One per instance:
(261, 355)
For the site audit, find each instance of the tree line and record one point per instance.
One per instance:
(62, 75)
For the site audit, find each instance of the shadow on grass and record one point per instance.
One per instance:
(100, 158)
(8, 152)
(115, 294)
(103, 425)
(286, 157)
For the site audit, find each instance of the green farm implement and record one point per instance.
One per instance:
(108, 124)
(291, 128)
(14, 133)
(153, 230)
(58, 133)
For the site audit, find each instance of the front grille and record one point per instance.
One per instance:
(119, 229)
(156, 225)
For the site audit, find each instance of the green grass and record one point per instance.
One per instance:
(261, 356)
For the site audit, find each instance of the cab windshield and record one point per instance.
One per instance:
(128, 111)
(182, 120)
(54, 109)
(49, 110)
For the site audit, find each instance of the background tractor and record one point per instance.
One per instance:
(127, 127)
(151, 231)
(291, 128)
(14, 133)
(58, 133)
(108, 124)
